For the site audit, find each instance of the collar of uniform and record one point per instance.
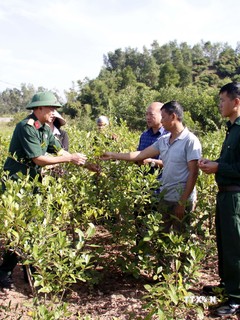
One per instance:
(37, 124)
(237, 122)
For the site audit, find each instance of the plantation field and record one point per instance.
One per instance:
(79, 233)
(117, 296)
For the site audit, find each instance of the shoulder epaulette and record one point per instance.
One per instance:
(30, 122)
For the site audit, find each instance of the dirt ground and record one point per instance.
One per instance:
(117, 297)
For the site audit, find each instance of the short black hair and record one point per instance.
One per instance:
(232, 89)
(173, 107)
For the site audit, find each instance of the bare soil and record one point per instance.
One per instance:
(117, 297)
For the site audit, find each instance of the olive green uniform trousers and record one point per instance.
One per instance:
(228, 241)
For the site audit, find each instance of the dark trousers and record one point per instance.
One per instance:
(166, 208)
(169, 221)
(228, 241)
(10, 260)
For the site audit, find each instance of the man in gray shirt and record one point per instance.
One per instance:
(180, 151)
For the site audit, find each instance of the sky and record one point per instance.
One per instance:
(55, 43)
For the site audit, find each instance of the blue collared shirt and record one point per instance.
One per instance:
(148, 137)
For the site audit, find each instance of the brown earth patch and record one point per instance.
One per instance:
(116, 297)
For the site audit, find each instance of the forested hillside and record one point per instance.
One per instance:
(130, 79)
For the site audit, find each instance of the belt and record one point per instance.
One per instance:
(229, 188)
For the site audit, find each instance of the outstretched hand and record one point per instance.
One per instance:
(106, 156)
(78, 158)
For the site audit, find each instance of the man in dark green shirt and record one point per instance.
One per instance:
(32, 138)
(29, 150)
(227, 175)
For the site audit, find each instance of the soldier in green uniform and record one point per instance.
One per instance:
(227, 175)
(31, 139)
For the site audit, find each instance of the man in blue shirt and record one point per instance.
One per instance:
(152, 134)
(154, 131)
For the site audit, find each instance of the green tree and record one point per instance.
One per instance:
(128, 77)
(168, 75)
(228, 63)
(162, 54)
(130, 104)
(185, 74)
(147, 70)
(114, 60)
(186, 54)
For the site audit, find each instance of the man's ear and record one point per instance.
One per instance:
(237, 101)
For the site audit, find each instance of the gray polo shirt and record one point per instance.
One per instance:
(175, 159)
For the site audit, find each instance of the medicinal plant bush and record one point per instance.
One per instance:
(36, 227)
(53, 228)
(176, 274)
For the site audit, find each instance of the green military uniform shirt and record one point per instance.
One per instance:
(30, 139)
(229, 161)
